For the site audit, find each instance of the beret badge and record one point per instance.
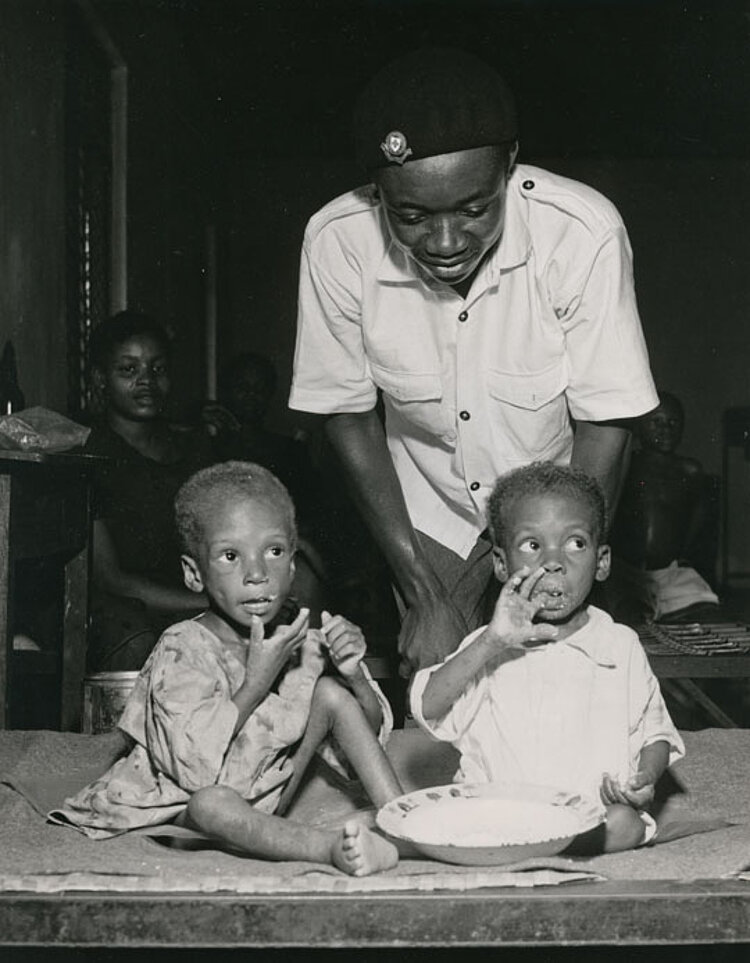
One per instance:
(395, 147)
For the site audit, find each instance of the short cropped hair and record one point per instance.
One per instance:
(212, 487)
(118, 329)
(667, 398)
(544, 478)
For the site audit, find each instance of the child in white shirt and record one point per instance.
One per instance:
(552, 691)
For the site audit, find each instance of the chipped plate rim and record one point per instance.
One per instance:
(391, 817)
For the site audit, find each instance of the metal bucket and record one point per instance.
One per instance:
(104, 698)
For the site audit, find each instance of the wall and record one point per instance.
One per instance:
(32, 251)
(169, 147)
(688, 228)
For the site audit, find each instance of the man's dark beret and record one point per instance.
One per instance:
(433, 101)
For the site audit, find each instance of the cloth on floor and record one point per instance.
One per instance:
(712, 785)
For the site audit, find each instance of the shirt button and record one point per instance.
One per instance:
(463, 316)
(464, 415)
(528, 185)
(474, 486)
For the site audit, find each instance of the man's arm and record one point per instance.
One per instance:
(432, 627)
(602, 448)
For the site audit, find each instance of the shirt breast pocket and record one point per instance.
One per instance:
(528, 410)
(416, 399)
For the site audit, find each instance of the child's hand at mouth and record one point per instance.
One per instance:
(512, 623)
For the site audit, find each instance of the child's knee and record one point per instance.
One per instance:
(206, 804)
(625, 828)
(330, 694)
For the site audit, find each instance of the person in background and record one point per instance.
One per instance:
(489, 305)
(662, 512)
(552, 692)
(237, 422)
(232, 705)
(137, 581)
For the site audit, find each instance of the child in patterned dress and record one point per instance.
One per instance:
(231, 706)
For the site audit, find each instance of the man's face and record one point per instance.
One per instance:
(446, 212)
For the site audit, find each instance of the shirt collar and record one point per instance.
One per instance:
(594, 639)
(512, 250)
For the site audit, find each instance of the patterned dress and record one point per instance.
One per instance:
(182, 718)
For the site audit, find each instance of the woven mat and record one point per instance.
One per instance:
(38, 856)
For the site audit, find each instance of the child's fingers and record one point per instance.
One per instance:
(515, 581)
(346, 649)
(610, 790)
(543, 632)
(302, 622)
(528, 585)
(340, 628)
(293, 635)
(256, 629)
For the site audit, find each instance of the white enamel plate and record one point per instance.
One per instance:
(489, 824)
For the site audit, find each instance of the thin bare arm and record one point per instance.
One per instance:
(505, 638)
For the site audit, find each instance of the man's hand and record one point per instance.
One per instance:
(218, 420)
(430, 631)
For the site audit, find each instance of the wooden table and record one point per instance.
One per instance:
(676, 665)
(638, 914)
(44, 513)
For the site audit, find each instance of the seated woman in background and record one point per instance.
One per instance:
(137, 580)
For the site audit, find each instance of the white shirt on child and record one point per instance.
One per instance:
(561, 715)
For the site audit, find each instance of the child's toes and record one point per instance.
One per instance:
(361, 852)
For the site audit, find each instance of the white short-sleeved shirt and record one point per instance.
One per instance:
(473, 388)
(561, 715)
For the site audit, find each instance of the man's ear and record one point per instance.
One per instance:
(191, 574)
(603, 563)
(512, 155)
(500, 565)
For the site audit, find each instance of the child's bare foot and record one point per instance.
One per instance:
(360, 852)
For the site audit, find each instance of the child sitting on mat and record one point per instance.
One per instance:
(226, 717)
(552, 691)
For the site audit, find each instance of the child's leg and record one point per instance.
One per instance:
(222, 813)
(623, 829)
(335, 711)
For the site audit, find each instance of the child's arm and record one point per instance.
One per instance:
(265, 659)
(639, 790)
(505, 638)
(346, 647)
